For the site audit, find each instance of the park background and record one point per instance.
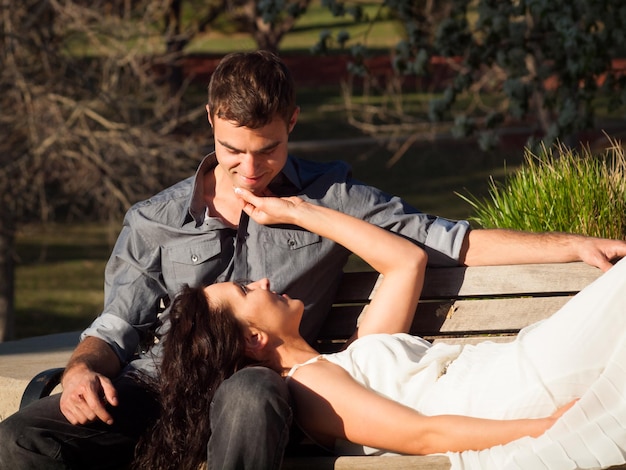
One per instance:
(343, 56)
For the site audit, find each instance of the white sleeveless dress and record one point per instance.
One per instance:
(579, 352)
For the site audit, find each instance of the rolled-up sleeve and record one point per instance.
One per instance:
(441, 238)
(132, 288)
(445, 240)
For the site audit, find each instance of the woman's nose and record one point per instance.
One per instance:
(260, 284)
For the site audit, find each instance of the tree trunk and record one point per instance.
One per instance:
(7, 278)
(175, 44)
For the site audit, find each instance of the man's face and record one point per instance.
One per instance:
(251, 158)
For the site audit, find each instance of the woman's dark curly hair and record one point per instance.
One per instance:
(203, 347)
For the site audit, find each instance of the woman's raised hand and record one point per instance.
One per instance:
(268, 209)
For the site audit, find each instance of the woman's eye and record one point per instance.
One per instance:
(243, 286)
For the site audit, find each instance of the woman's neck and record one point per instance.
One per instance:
(292, 352)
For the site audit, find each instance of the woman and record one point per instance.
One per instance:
(397, 378)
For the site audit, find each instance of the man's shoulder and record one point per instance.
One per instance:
(310, 170)
(168, 203)
(319, 167)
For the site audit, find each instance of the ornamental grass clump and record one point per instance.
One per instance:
(560, 190)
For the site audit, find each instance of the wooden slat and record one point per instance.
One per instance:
(524, 279)
(341, 322)
(405, 462)
(485, 314)
(356, 287)
(510, 280)
(462, 340)
(453, 317)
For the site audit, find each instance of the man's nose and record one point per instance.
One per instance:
(248, 164)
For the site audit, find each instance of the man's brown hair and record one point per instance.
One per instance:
(251, 89)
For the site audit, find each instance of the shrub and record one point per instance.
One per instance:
(560, 190)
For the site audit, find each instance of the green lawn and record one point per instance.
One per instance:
(59, 279)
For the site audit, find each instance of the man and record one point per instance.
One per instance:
(196, 233)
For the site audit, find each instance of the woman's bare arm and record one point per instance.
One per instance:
(400, 261)
(330, 404)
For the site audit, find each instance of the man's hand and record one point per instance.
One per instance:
(599, 252)
(85, 394)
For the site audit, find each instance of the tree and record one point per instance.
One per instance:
(547, 62)
(267, 20)
(85, 128)
(178, 33)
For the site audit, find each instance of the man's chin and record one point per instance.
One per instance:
(255, 188)
(258, 190)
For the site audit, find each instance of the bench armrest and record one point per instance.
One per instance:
(41, 385)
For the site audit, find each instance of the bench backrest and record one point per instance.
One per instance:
(466, 304)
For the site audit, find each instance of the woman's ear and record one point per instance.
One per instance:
(256, 341)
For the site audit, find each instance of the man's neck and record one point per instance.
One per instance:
(220, 197)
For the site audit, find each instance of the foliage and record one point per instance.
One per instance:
(267, 21)
(560, 190)
(81, 137)
(549, 60)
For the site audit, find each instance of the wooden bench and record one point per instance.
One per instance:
(458, 305)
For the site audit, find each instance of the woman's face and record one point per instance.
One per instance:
(255, 304)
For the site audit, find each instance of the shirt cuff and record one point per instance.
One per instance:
(117, 333)
(445, 240)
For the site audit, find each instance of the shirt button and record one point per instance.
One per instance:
(291, 243)
(194, 258)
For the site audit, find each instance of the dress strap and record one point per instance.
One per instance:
(297, 366)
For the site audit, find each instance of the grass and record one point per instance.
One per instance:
(59, 276)
(56, 297)
(561, 190)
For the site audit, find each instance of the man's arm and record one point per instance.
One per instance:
(448, 242)
(498, 246)
(87, 387)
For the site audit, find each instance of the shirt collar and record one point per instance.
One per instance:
(286, 183)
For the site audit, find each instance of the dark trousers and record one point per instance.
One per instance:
(39, 437)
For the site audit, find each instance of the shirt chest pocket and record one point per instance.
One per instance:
(285, 253)
(197, 262)
(291, 239)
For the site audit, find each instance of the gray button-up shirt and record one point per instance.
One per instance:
(168, 240)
